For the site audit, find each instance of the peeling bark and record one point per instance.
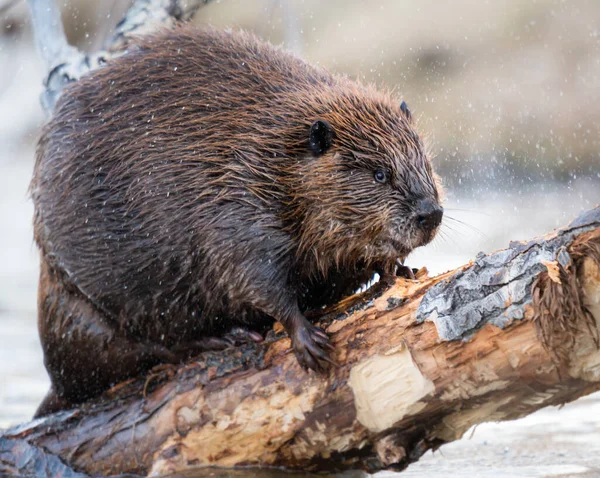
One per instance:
(421, 362)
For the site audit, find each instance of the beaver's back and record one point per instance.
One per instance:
(137, 173)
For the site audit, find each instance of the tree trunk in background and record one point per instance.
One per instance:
(421, 362)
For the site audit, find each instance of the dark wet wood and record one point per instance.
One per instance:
(421, 362)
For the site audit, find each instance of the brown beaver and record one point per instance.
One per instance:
(207, 180)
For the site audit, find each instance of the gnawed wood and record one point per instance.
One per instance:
(421, 362)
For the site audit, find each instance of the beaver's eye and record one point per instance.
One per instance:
(380, 176)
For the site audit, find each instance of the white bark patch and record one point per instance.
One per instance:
(387, 388)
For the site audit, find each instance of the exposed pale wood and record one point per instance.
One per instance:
(421, 362)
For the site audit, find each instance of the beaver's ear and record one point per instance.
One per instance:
(405, 110)
(320, 137)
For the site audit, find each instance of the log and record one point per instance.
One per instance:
(421, 361)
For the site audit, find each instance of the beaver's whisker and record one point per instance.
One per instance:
(467, 225)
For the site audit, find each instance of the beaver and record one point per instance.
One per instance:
(206, 180)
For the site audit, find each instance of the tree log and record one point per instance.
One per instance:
(421, 361)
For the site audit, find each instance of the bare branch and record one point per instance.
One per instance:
(61, 59)
(50, 37)
(66, 63)
(145, 15)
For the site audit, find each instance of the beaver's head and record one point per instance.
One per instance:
(367, 191)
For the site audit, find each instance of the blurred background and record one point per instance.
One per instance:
(507, 93)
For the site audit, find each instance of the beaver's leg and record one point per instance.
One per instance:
(83, 353)
(309, 342)
(236, 336)
(274, 297)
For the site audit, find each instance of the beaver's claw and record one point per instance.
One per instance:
(311, 346)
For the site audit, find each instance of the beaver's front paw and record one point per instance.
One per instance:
(311, 346)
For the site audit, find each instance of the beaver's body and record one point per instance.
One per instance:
(204, 180)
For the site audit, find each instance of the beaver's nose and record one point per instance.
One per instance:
(429, 214)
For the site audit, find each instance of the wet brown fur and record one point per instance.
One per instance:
(176, 195)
